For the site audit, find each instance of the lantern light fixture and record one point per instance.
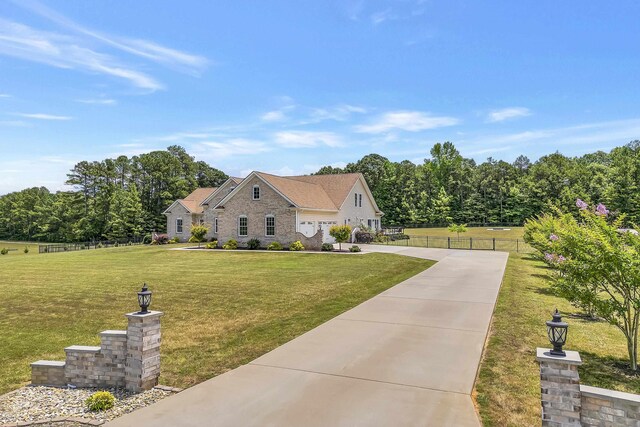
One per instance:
(557, 333)
(144, 299)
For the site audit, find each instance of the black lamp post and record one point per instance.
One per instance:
(144, 299)
(557, 332)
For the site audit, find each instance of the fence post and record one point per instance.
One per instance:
(494, 243)
(448, 242)
(427, 241)
(517, 248)
(471, 243)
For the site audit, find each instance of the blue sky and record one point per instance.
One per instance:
(289, 86)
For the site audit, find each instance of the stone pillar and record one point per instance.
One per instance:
(560, 388)
(142, 367)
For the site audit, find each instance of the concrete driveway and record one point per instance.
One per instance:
(408, 356)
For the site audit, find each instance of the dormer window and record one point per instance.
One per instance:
(256, 192)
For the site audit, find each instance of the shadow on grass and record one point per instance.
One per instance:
(608, 372)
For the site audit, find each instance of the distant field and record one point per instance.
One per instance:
(507, 233)
(19, 247)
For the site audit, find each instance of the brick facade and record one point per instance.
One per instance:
(270, 203)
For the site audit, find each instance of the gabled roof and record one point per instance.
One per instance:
(318, 192)
(192, 201)
(303, 194)
(232, 179)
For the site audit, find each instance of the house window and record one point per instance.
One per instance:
(360, 199)
(356, 199)
(256, 192)
(242, 226)
(179, 225)
(215, 225)
(270, 226)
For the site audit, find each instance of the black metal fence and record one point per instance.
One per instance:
(70, 247)
(470, 243)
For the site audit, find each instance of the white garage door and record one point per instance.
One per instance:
(325, 226)
(307, 228)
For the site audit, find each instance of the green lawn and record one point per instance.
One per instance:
(221, 309)
(508, 387)
(19, 247)
(511, 233)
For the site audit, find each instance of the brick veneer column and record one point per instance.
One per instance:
(560, 388)
(142, 367)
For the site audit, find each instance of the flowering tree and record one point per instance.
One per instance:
(595, 265)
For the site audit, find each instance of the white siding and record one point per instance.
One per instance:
(356, 215)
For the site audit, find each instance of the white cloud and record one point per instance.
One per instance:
(62, 51)
(15, 123)
(305, 139)
(142, 48)
(98, 101)
(380, 17)
(411, 121)
(42, 116)
(230, 147)
(507, 113)
(338, 113)
(5, 95)
(273, 116)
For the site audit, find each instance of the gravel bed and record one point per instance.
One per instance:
(36, 403)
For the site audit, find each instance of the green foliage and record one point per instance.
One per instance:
(98, 246)
(211, 245)
(100, 401)
(327, 247)
(341, 233)
(458, 228)
(231, 244)
(355, 248)
(253, 244)
(198, 233)
(296, 246)
(4, 251)
(26, 249)
(595, 265)
(165, 240)
(275, 246)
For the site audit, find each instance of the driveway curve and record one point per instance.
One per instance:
(408, 356)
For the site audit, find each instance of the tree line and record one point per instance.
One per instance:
(114, 199)
(124, 198)
(448, 187)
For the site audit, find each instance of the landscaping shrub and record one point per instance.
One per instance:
(341, 233)
(116, 244)
(253, 244)
(198, 234)
(100, 246)
(174, 240)
(211, 245)
(364, 236)
(162, 239)
(100, 401)
(154, 242)
(381, 237)
(146, 240)
(4, 251)
(399, 236)
(355, 248)
(327, 247)
(26, 250)
(296, 246)
(231, 244)
(275, 246)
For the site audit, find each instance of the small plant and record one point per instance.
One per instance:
(211, 245)
(174, 240)
(146, 240)
(4, 251)
(231, 244)
(355, 248)
(100, 401)
(458, 228)
(26, 249)
(341, 233)
(253, 244)
(327, 247)
(154, 242)
(275, 246)
(100, 246)
(198, 234)
(296, 246)
(116, 244)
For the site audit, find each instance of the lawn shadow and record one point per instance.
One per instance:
(608, 372)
